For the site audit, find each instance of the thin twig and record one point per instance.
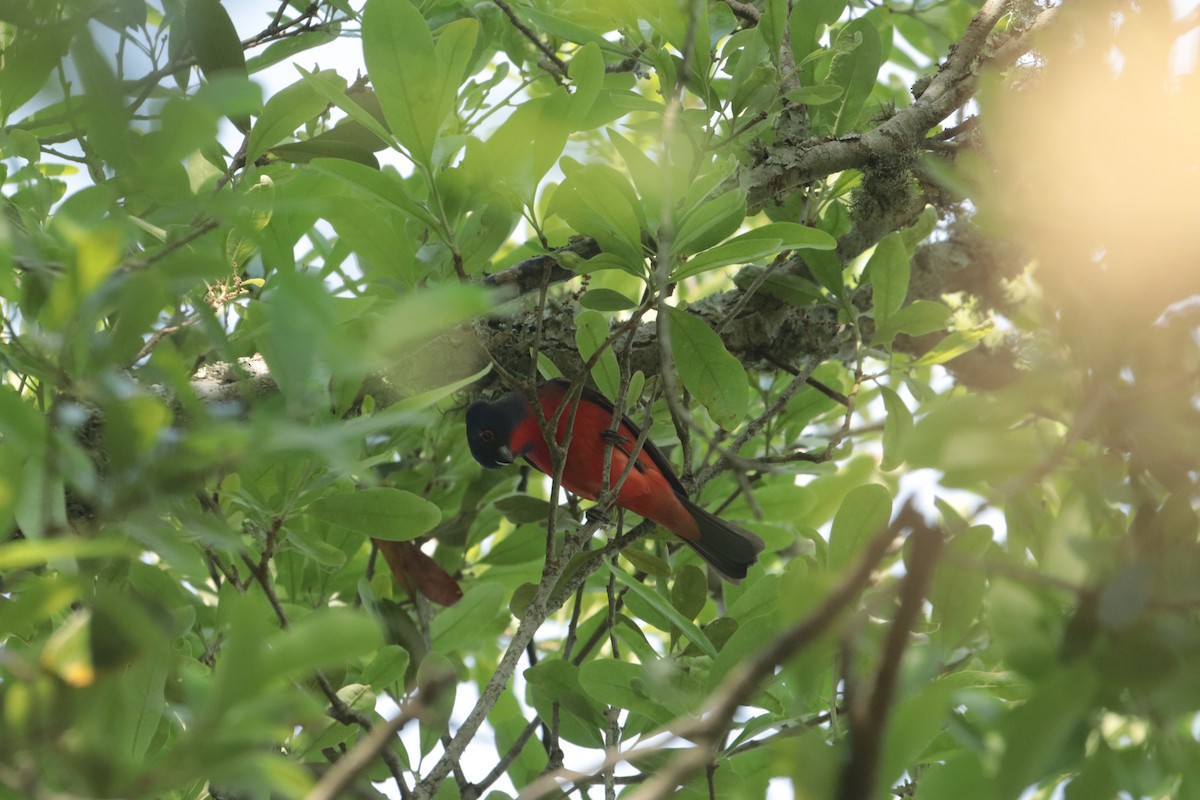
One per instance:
(532, 36)
(376, 742)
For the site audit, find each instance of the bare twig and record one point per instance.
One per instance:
(532, 36)
(376, 742)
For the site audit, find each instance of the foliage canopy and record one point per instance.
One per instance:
(907, 288)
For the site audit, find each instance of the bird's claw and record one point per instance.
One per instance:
(598, 517)
(612, 437)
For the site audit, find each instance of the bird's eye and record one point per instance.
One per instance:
(486, 435)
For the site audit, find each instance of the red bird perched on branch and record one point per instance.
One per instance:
(508, 429)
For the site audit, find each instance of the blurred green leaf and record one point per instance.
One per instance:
(621, 684)
(379, 186)
(864, 513)
(477, 616)
(953, 345)
(766, 240)
(897, 427)
(381, 513)
(326, 637)
(916, 319)
(283, 113)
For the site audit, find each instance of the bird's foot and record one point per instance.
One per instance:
(614, 438)
(598, 517)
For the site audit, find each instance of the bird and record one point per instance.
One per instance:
(502, 431)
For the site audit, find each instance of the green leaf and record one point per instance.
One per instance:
(288, 48)
(806, 24)
(855, 69)
(432, 397)
(587, 73)
(731, 252)
(399, 52)
(621, 684)
(555, 691)
(422, 314)
(710, 223)
(385, 186)
(323, 146)
(286, 111)
(689, 591)
(381, 513)
(957, 590)
(557, 25)
(591, 331)
(606, 300)
(386, 668)
(772, 25)
(827, 269)
(864, 513)
(1040, 732)
(646, 175)
(522, 509)
(435, 717)
(714, 377)
(329, 85)
(767, 240)
(816, 95)
(522, 546)
(897, 427)
(382, 246)
(888, 270)
(559, 681)
(27, 553)
(792, 236)
(916, 720)
(471, 620)
(214, 38)
(915, 319)
(646, 562)
(663, 606)
(29, 59)
(597, 200)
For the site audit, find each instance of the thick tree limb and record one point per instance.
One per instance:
(954, 83)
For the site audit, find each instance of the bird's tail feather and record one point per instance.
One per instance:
(729, 549)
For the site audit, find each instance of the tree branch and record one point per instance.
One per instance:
(377, 741)
(868, 718)
(951, 87)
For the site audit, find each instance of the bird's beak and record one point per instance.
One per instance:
(505, 455)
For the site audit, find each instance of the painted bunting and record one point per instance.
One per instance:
(508, 429)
